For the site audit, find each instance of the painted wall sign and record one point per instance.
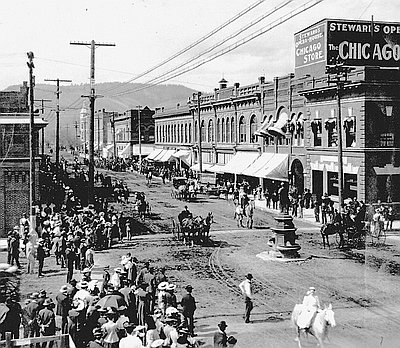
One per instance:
(355, 43)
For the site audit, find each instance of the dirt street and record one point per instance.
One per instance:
(363, 293)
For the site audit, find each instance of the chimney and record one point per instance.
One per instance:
(178, 105)
(261, 80)
(162, 109)
(216, 93)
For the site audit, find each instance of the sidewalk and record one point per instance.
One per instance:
(308, 215)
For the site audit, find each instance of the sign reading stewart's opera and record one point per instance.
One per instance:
(354, 43)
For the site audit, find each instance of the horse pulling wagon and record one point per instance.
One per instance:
(192, 230)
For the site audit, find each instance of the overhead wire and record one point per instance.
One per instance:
(309, 4)
(224, 40)
(192, 45)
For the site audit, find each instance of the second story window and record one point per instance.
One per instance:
(330, 126)
(253, 128)
(349, 125)
(210, 132)
(316, 127)
(242, 130)
(203, 132)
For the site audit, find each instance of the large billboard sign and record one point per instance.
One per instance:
(310, 46)
(354, 43)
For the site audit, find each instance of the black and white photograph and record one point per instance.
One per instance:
(200, 174)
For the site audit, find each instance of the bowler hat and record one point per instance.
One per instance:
(222, 323)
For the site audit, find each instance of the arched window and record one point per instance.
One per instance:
(233, 131)
(223, 131)
(196, 132)
(190, 133)
(253, 128)
(218, 130)
(186, 135)
(242, 130)
(210, 131)
(228, 131)
(203, 131)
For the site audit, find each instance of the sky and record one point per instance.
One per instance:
(147, 32)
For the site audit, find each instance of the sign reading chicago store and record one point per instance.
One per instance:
(355, 43)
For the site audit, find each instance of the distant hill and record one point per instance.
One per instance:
(71, 102)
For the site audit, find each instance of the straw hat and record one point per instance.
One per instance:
(162, 286)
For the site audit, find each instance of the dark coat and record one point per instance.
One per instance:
(188, 304)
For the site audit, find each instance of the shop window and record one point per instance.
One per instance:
(242, 130)
(333, 184)
(253, 128)
(350, 186)
(388, 188)
(349, 126)
(316, 127)
(386, 139)
(330, 126)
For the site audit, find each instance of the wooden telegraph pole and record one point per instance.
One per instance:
(58, 121)
(42, 112)
(92, 97)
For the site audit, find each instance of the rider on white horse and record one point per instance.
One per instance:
(310, 307)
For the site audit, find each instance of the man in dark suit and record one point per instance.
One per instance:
(220, 337)
(188, 304)
(63, 307)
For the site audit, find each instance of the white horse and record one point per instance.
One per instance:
(319, 325)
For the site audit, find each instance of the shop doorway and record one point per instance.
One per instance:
(317, 183)
(297, 175)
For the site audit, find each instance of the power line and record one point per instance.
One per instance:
(223, 41)
(283, 19)
(194, 44)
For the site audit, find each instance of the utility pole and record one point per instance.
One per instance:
(199, 124)
(32, 197)
(42, 112)
(339, 72)
(140, 138)
(57, 120)
(98, 133)
(113, 127)
(92, 97)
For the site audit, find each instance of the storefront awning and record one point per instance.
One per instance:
(196, 167)
(165, 156)
(258, 164)
(217, 168)
(276, 168)
(154, 154)
(145, 149)
(183, 155)
(240, 162)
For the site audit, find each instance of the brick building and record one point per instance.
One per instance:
(286, 130)
(15, 158)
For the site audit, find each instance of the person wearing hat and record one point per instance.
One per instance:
(110, 329)
(83, 294)
(184, 214)
(162, 287)
(143, 304)
(63, 307)
(220, 336)
(47, 319)
(86, 274)
(14, 248)
(188, 304)
(170, 331)
(97, 341)
(132, 339)
(170, 297)
(247, 290)
(325, 207)
(70, 257)
(310, 307)
(41, 298)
